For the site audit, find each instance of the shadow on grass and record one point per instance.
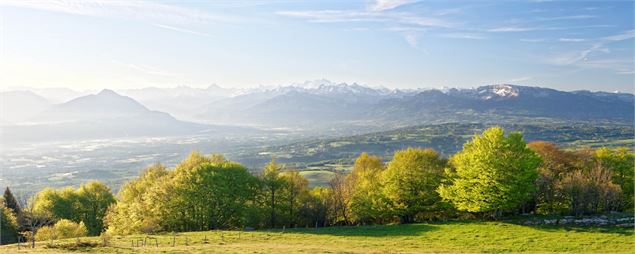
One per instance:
(369, 231)
(586, 229)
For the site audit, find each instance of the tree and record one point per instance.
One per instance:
(217, 195)
(555, 165)
(493, 172)
(10, 201)
(622, 163)
(88, 203)
(272, 183)
(590, 190)
(58, 204)
(339, 200)
(94, 198)
(295, 192)
(133, 213)
(410, 183)
(8, 226)
(316, 207)
(34, 219)
(367, 201)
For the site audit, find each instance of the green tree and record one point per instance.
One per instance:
(58, 204)
(134, 211)
(295, 193)
(10, 201)
(88, 204)
(367, 201)
(493, 172)
(621, 163)
(272, 183)
(215, 195)
(8, 226)
(94, 198)
(410, 183)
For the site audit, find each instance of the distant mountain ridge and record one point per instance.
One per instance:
(105, 104)
(106, 114)
(511, 100)
(323, 102)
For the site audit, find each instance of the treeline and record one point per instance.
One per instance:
(493, 175)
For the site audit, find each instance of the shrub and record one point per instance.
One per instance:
(62, 229)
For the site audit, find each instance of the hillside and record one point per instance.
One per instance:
(331, 153)
(450, 237)
(21, 105)
(102, 115)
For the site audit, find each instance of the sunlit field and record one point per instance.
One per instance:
(451, 237)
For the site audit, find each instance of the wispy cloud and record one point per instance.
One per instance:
(508, 29)
(571, 39)
(333, 16)
(383, 5)
(583, 57)
(572, 17)
(533, 40)
(145, 11)
(467, 36)
(183, 30)
(620, 37)
(512, 29)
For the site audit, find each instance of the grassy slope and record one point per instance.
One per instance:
(417, 238)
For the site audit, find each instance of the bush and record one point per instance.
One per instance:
(62, 229)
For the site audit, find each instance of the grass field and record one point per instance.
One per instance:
(451, 237)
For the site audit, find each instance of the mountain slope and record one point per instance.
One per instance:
(105, 104)
(103, 115)
(509, 100)
(322, 103)
(17, 106)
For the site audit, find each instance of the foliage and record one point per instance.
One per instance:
(493, 172)
(87, 204)
(295, 193)
(8, 226)
(272, 184)
(368, 204)
(583, 182)
(62, 229)
(410, 183)
(10, 201)
(621, 162)
(133, 212)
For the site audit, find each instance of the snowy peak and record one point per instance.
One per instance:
(498, 91)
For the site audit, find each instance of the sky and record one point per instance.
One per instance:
(566, 45)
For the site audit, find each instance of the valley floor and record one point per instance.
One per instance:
(451, 237)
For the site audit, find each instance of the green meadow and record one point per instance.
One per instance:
(449, 237)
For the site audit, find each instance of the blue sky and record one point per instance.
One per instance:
(567, 45)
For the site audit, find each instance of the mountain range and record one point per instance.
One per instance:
(329, 104)
(311, 105)
(106, 114)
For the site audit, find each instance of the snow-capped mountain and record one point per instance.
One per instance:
(324, 102)
(320, 103)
